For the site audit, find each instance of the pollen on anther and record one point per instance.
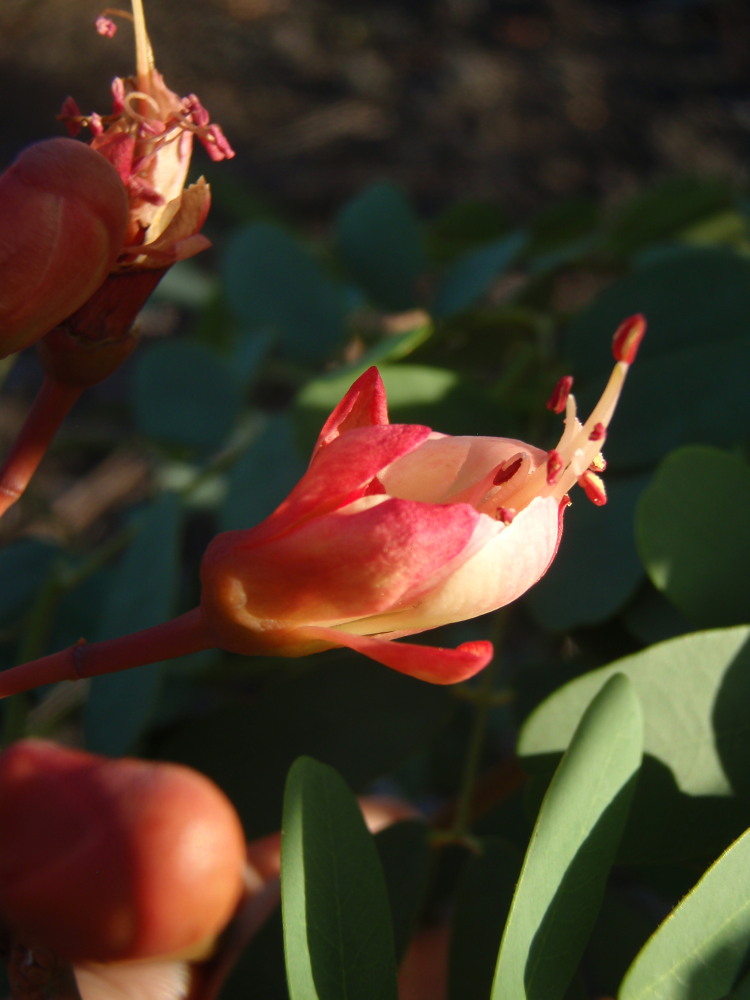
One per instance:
(555, 466)
(558, 399)
(628, 337)
(507, 470)
(593, 487)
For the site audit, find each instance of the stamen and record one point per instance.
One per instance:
(628, 337)
(129, 107)
(577, 456)
(505, 514)
(593, 487)
(558, 399)
(598, 463)
(144, 55)
(555, 467)
(507, 470)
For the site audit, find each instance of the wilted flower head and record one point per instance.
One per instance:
(148, 137)
(395, 529)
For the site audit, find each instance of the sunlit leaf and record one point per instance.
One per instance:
(693, 534)
(338, 939)
(701, 948)
(571, 850)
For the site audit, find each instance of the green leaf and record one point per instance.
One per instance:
(263, 476)
(184, 394)
(597, 569)
(692, 297)
(571, 850)
(693, 535)
(701, 948)
(417, 394)
(474, 273)
(483, 899)
(667, 209)
(694, 691)
(338, 939)
(272, 282)
(381, 244)
(23, 566)
(142, 593)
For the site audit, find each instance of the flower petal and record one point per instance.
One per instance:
(364, 405)
(426, 663)
(499, 572)
(377, 555)
(340, 473)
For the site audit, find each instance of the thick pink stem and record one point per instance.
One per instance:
(178, 637)
(51, 406)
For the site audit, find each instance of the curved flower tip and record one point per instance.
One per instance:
(364, 405)
(63, 217)
(148, 137)
(143, 860)
(425, 663)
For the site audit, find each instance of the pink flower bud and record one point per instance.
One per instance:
(63, 218)
(112, 860)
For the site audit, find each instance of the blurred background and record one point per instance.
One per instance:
(519, 101)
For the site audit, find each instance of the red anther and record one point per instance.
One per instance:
(560, 394)
(598, 463)
(507, 470)
(505, 514)
(555, 466)
(598, 433)
(106, 26)
(628, 337)
(593, 487)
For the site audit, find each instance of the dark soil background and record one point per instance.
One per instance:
(517, 101)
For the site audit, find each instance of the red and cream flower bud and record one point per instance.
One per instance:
(113, 860)
(395, 529)
(63, 218)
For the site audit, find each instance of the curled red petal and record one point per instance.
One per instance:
(364, 405)
(342, 472)
(433, 664)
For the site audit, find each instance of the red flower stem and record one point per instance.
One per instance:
(178, 637)
(53, 403)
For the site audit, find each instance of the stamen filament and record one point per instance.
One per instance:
(579, 448)
(144, 55)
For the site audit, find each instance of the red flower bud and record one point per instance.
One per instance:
(395, 529)
(63, 218)
(111, 860)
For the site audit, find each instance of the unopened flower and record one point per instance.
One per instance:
(114, 860)
(148, 137)
(63, 217)
(395, 529)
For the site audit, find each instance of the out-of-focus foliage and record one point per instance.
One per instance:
(471, 322)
